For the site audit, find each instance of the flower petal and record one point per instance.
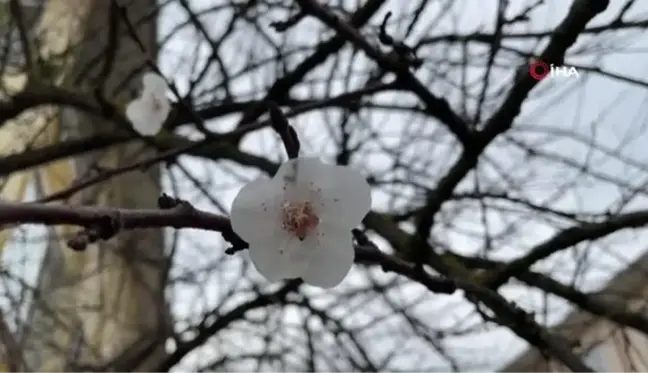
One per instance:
(152, 82)
(144, 122)
(135, 111)
(281, 261)
(331, 258)
(142, 113)
(256, 211)
(344, 194)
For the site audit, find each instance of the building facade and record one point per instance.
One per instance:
(604, 345)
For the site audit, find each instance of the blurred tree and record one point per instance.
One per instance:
(105, 302)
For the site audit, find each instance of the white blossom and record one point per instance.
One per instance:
(298, 224)
(148, 112)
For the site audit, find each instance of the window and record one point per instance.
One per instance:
(597, 358)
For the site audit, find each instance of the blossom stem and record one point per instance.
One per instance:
(288, 135)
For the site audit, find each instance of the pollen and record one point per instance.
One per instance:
(299, 218)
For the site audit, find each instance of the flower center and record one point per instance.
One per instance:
(299, 218)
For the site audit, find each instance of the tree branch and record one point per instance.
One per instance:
(436, 107)
(88, 216)
(580, 14)
(565, 239)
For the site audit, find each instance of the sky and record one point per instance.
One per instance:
(595, 107)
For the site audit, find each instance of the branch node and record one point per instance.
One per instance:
(185, 207)
(78, 242)
(403, 52)
(104, 228)
(361, 237)
(106, 109)
(237, 242)
(167, 202)
(108, 226)
(282, 26)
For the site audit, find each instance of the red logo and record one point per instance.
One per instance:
(538, 70)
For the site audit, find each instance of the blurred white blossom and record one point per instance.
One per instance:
(298, 224)
(148, 112)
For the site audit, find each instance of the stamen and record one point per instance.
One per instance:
(299, 218)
